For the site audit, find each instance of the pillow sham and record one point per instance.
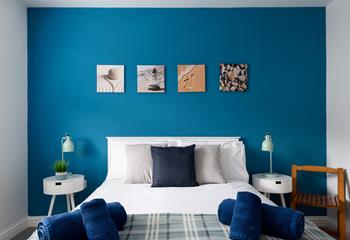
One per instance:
(232, 158)
(173, 166)
(207, 164)
(117, 153)
(139, 163)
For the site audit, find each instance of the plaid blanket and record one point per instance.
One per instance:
(188, 226)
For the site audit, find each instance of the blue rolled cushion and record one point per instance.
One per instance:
(55, 227)
(97, 221)
(225, 211)
(246, 218)
(282, 222)
(173, 166)
(118, 214)
(65, 226)
(275, 221)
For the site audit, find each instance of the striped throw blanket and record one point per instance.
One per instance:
(188, 227)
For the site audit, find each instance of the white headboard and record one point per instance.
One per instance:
(117, 156)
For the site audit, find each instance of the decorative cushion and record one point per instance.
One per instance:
(173, 167)
(139, 163)
(207, 164)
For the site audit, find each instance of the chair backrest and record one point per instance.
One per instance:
(320, 169)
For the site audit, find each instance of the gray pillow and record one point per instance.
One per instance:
(139, 163)
(207, 164)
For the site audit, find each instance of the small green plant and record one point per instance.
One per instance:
(60, 166)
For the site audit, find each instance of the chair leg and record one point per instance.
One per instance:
(293, 205)
(341, 224)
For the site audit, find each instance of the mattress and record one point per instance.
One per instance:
(150, 206)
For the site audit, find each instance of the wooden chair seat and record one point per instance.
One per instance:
(323, 201)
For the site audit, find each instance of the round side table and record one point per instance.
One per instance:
(279, 184)
(73, 184)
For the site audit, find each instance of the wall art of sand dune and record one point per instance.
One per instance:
(110, 78)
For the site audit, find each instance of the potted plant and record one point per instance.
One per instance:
(60, 167)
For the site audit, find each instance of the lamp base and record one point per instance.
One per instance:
(272, 175)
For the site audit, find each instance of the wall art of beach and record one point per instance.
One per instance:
(150, 78)
(191, 78)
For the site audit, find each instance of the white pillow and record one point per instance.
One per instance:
(207, 164)
(138, 163)
(233, 161)
(117, 154)
(232, 158)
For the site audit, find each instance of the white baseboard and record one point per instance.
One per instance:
(19, 226)
(13, 229)
(32, 221)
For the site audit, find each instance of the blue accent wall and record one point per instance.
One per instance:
(285, 50)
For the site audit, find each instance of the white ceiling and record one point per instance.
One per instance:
(176, 3)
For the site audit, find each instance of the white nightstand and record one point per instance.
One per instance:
(73, 184)
(279, 184)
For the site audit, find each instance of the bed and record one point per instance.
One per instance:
(176, 212)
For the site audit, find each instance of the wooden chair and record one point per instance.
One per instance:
(327, 201)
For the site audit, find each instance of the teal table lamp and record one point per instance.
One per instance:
(67, 144)
(267, 146)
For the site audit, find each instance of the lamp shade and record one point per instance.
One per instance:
(67, 144)
(267, 145)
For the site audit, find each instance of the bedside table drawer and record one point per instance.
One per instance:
(273, 186)
(62, 187)
(279, 185)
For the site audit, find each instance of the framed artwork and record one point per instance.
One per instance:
(150, 78)
(191, 78)
(233, 77)
(110, 78)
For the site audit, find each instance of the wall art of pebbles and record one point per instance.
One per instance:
(233, 77)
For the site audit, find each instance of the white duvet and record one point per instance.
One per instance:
(142, 198)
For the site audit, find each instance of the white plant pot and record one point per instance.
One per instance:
(61, 175)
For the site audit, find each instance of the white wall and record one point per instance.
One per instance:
(13, 113)
(338, 90)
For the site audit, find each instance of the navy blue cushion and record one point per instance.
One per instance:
(275, 221)
(173, 167)
(97, 221)
(246, 217)
(59, 226)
